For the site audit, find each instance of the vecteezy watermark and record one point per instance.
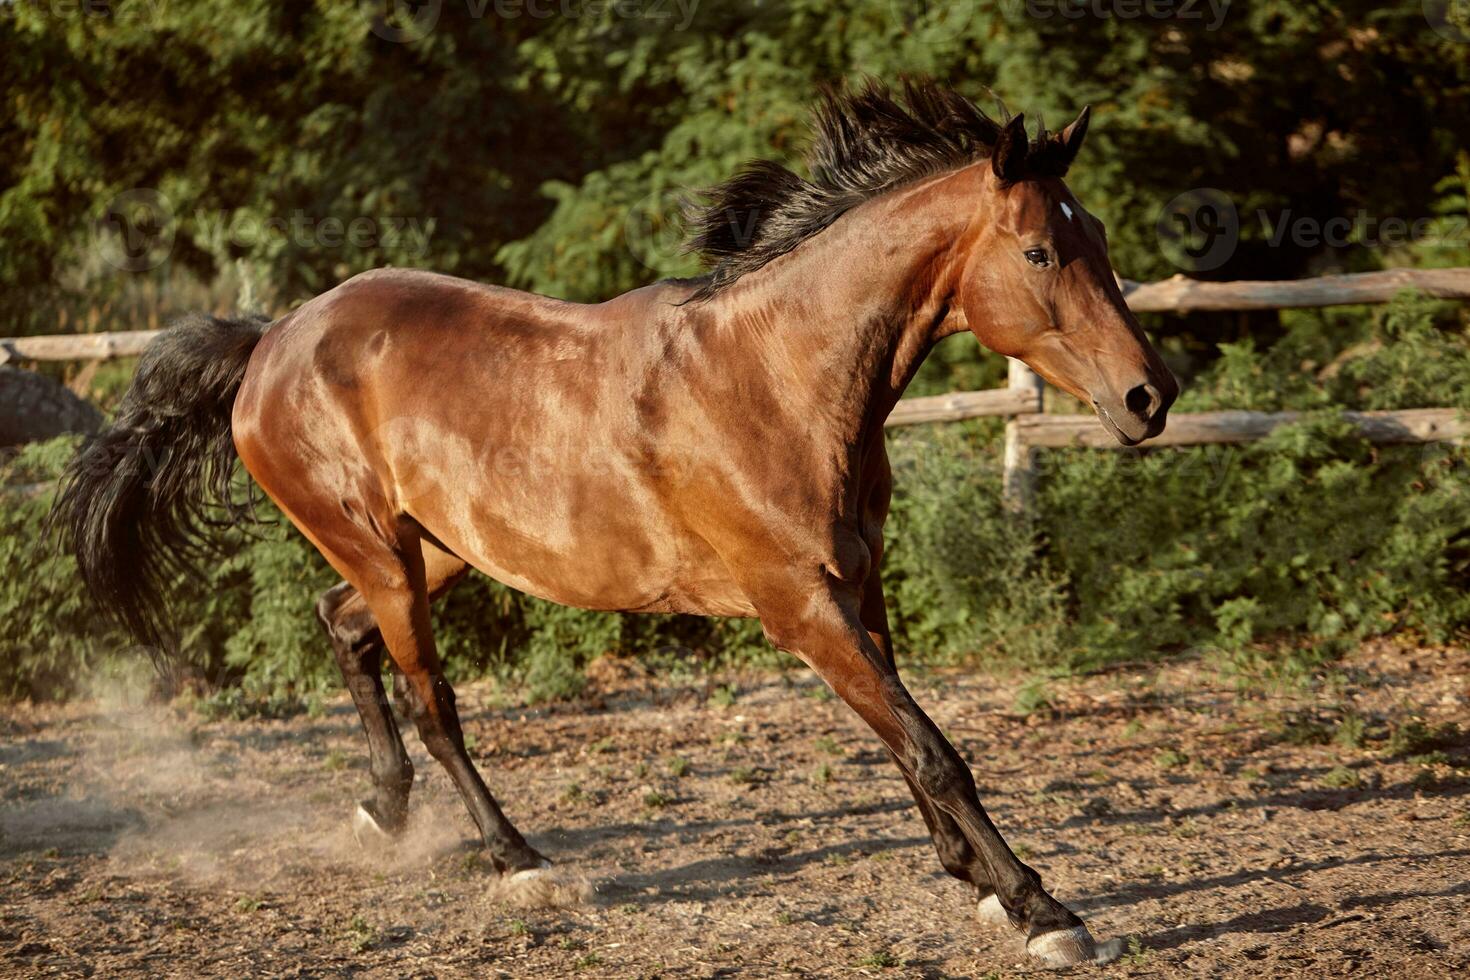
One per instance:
(1362, 229)
(137, 230)
(406, 21)
(1211, 12)
(1449, 18)
(1199, 230)
(653, 229)
(243, 229)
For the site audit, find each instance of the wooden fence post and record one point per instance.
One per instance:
(1019, 481)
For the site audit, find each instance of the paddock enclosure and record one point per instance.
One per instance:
(1077, 390)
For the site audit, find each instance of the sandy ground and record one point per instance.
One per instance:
(1223, 833)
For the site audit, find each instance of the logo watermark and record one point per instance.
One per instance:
(138, 229)
(1201, 229)
(1449, 18)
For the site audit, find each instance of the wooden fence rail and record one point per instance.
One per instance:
(1027, 428)
(1176, 295)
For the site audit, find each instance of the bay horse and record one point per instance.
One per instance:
(711, 445)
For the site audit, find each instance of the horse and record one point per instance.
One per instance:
(711, 445)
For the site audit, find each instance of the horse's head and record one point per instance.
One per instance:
(1037, 285)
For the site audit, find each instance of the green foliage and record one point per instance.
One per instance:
(553, 153)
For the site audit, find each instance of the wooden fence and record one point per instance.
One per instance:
(1027, 427)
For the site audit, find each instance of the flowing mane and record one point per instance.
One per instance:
(864, 142)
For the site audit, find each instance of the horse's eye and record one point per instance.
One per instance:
(1038, 257)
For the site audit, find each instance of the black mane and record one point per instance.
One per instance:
(865, 142)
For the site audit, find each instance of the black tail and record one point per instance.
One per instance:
(137, 500)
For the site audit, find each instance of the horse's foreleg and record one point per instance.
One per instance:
(820, 622)
(955, 853)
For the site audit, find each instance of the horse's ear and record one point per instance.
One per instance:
(1008, 159)
(1074, 134)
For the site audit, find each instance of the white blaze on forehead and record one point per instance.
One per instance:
(1067, 211)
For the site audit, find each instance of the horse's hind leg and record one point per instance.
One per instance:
(358, 648)
(393, 583)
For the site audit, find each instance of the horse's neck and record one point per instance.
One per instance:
(846, 319)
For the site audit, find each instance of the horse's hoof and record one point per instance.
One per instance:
(543, 887)
(1064, 947)
(368, 831)
(991, 913)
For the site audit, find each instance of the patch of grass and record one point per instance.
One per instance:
(656, 800)
(1133, 728)
(248, 903)
(1136, 954)
(574, 793)
(881, 959)
(822, 775)
(1417, 738)
(1302, 729)
(837, 860)
(745, 776)
(829, 745)
(1021, 851)
(518, 927)
(678, 767)
(587, 961)
(235, 704)
(1033, 696)
(335, 760)
(601, 745)
(361, 934)
(1341, 777)
(1352, 731)
(785, 918)
(1184, 829)
(723, 696)
(1435, 758)
(1170, 759)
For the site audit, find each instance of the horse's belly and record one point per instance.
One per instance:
(612, 548)
(616, 581)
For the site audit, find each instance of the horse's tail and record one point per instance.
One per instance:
(137, 500)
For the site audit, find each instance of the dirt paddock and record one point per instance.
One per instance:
(1311, 834)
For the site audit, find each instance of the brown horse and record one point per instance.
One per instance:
(709, 446)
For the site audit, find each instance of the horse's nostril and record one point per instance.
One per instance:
(1143, 401)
